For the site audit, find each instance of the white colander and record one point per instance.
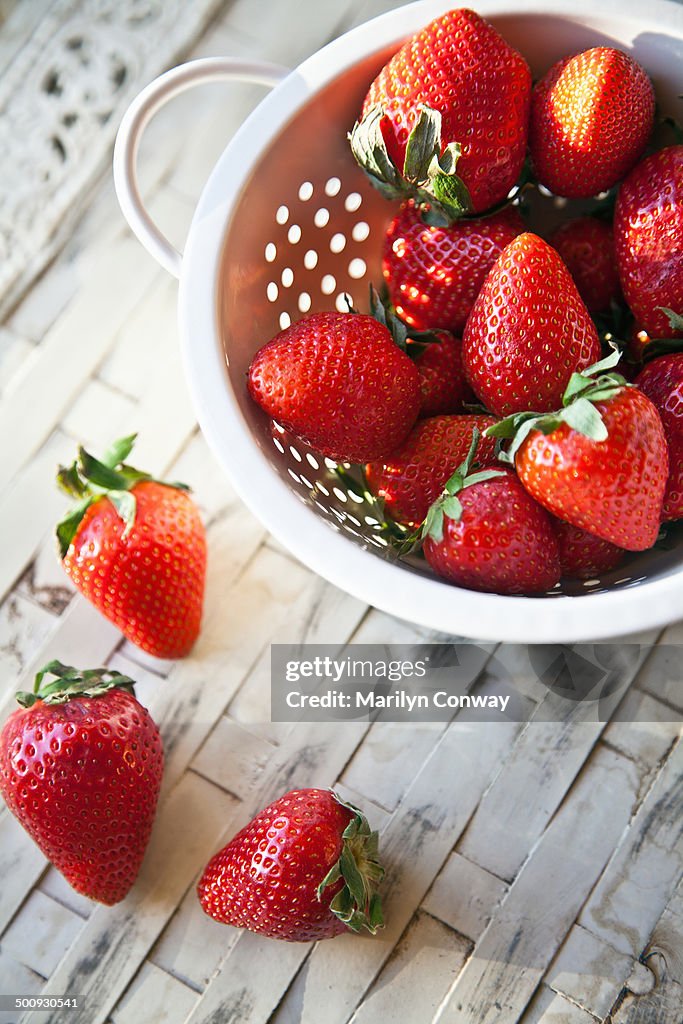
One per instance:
(287, 224)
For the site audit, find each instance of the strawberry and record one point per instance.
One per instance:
(455, 97)
(434, 273)
(443, 383)
(303, 869)
(662, 382)
(591, 118)
(600, 463)
(528, 330)
(583, 555)
(135, 547)
(80, 768)
(340, 383)
(414, 475)
(486, 533)
(586, 247)
(648, 235)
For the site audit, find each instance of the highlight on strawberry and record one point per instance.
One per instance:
(81, 763)
(135, 547)
(305, 868)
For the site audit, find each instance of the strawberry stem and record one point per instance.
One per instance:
(448, 504)
(72, 682)
(358, 903)
(89, 479)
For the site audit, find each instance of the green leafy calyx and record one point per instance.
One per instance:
(429, 172)
(358, 903)
(448, 504)
(70, 682)
(88, 479)
(594, 384)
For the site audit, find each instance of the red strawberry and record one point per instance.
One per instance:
(586, 247)
(135, 547)
(662, 382)
(601, 463)
(486, 533)
(304, 869)
(478, 87)
(591, 117)
(413, 476)
(528, 330)
(583, 555)
(80, 768)
(442, 377)
(434, 273)
(648, 235)
(339, 382)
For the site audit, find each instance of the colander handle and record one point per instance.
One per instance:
(138, 115)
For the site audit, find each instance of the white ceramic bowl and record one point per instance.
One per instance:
(286, 186)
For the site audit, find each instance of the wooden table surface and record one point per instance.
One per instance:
(534, 868)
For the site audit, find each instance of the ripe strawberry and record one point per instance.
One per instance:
(648, 235)
(414, 475)
(583, 555)
(465, 93)
(591, 117)
(443, 384)
(586, 247)
(601, 463)
(304, 869)
(80, 768)
(135, 547)
(528, 330)
(662, 382)
(434, 273)
(486, 533)
(340, 383)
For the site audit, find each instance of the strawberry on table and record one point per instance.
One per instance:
(528, 330)
(446, 119)
(414, 475)
(305, 868)
(80, 767)
(600, 462)
(586, 247)
(135, 548)
(583, 555)
(591, 118)
(486, 533)
(433, 272)
(339, 382)
(648, 235)
(662, 382)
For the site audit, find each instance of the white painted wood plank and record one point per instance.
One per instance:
(44, 582)
(114, 941)
(16, 355)
(41, 933)
(417, 976)
(589, 972)
(464, 896)
(634, 890)
(233, 757)
(520, 940)
(661, 675)
(84, 421)
(16, 980)
(81, 337)
(548, 1007)
(20, 860)
(155, 998)
(643, 729)
(527, 792)
(54, 885)
(24, 627)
